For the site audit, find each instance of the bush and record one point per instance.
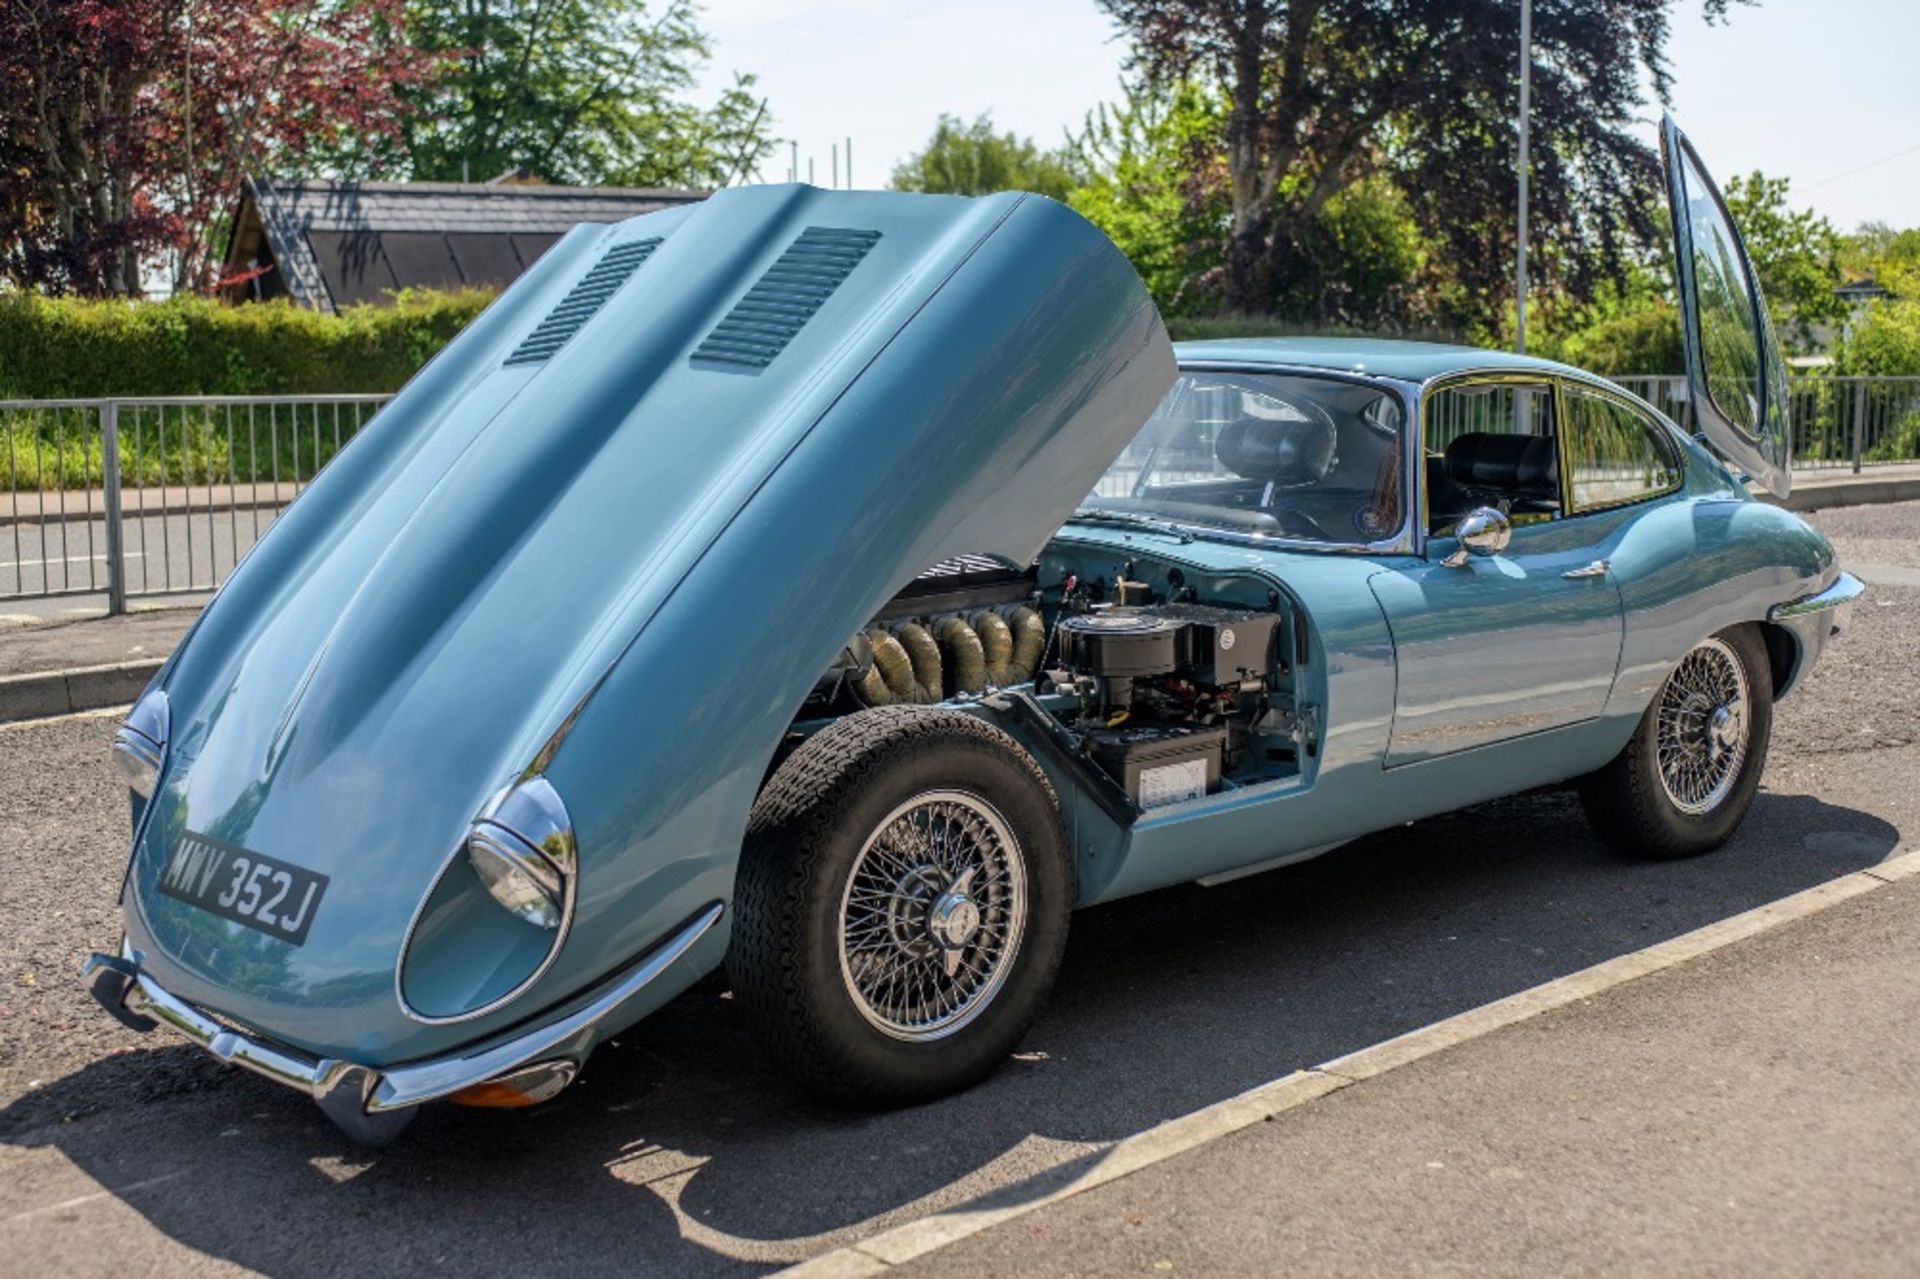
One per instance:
(1885, 341)
(55, 348)
(1640, 339)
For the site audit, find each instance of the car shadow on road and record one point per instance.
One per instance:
(682, 1151)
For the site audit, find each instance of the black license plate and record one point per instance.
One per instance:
(275, 897)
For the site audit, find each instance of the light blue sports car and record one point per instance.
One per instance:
(842, 588)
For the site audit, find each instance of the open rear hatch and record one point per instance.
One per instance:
(1736, 379)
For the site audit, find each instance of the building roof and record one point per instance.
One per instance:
(329, 244)
(1412, 361)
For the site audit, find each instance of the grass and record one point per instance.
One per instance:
(48, 449)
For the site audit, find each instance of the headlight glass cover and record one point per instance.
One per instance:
(141, 742)
(522, 849)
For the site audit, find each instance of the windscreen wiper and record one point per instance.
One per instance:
(1130, 519)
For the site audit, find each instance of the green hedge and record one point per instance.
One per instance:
(54, 348)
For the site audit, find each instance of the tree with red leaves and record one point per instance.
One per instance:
(127, 126)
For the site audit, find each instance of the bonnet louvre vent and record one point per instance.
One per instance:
(782, 301)
(584, 300)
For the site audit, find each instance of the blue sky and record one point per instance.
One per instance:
(1806, 89)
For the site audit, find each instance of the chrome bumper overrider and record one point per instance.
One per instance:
(1845, 590)
(1813, 620)
(353, 1094)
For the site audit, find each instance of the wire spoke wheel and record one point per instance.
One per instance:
(932, 915)
(1703, 727)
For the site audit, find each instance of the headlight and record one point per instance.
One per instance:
(141, 743)
(522, 849)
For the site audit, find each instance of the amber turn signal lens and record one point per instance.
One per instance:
(527, 1086)
(492, 1095)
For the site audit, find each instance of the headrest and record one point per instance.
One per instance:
(1516, 465)
(1285, 451)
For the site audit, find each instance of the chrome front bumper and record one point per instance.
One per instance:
(373, 1104)
(1814, 619)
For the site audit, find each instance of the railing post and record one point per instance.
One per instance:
(110, 481)
(1859, 421)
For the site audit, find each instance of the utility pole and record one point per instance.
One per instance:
(1520, 266)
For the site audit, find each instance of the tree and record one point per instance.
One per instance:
(1795, 254)
(128, 124)
(582, 91)
(1144, 160)
(971, 159)
(1323, 95)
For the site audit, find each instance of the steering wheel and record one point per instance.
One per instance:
(1299, 524)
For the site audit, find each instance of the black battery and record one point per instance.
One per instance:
(1223, 645)
(1161, 763)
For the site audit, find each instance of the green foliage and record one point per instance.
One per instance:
(1138, 157)
(577, 91)
(62, 347)
(1638, 337)
(1885, 340)
(972, 159)
(1321, 99)
(1795, 253)
(195, 445)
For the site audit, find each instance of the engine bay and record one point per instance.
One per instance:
(1156, 688)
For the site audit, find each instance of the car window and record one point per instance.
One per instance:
(1491, 444)
(1278, 455)
(1613, 452)
(1728, 351)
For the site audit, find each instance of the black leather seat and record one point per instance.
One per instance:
(1520, 471)
(1447, 502)
(1278, 451)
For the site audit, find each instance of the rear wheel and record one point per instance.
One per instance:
(1687, 777)
(902, 905)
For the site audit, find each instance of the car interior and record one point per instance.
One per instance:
(1292, 457)
(1491, 445)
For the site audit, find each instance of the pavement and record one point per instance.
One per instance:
(1839, 486)
(1751, 1112)
(1775, 1073)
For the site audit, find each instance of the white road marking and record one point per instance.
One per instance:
(903, 1243)
(70, 559)
(77, 1200)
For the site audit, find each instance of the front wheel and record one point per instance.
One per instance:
(1689, 774)
(902, 905)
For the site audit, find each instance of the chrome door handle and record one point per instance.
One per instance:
(1596, 569)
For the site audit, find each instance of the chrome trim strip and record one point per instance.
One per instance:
(1846, 588)
(400, 1086)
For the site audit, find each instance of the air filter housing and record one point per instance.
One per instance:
(1121, 643)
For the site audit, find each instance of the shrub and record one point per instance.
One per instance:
(54, 348)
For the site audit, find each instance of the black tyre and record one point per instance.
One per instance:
(1686, 779)
(902, 905)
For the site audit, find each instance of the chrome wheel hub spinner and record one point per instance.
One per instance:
(932, 915)
(1702, 729)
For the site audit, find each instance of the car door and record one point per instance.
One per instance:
(1737, 380)
(1489, 648)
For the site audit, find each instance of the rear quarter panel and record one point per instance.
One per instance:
(1691, 567)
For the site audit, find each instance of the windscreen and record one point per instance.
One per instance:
(1286, 456)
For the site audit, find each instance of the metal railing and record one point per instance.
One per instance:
(1838, 422)
(136, 497)
(157, 496)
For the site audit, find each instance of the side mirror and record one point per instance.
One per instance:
(1484, 531)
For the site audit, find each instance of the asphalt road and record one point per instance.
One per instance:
(43, 565)
(682, 1151)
